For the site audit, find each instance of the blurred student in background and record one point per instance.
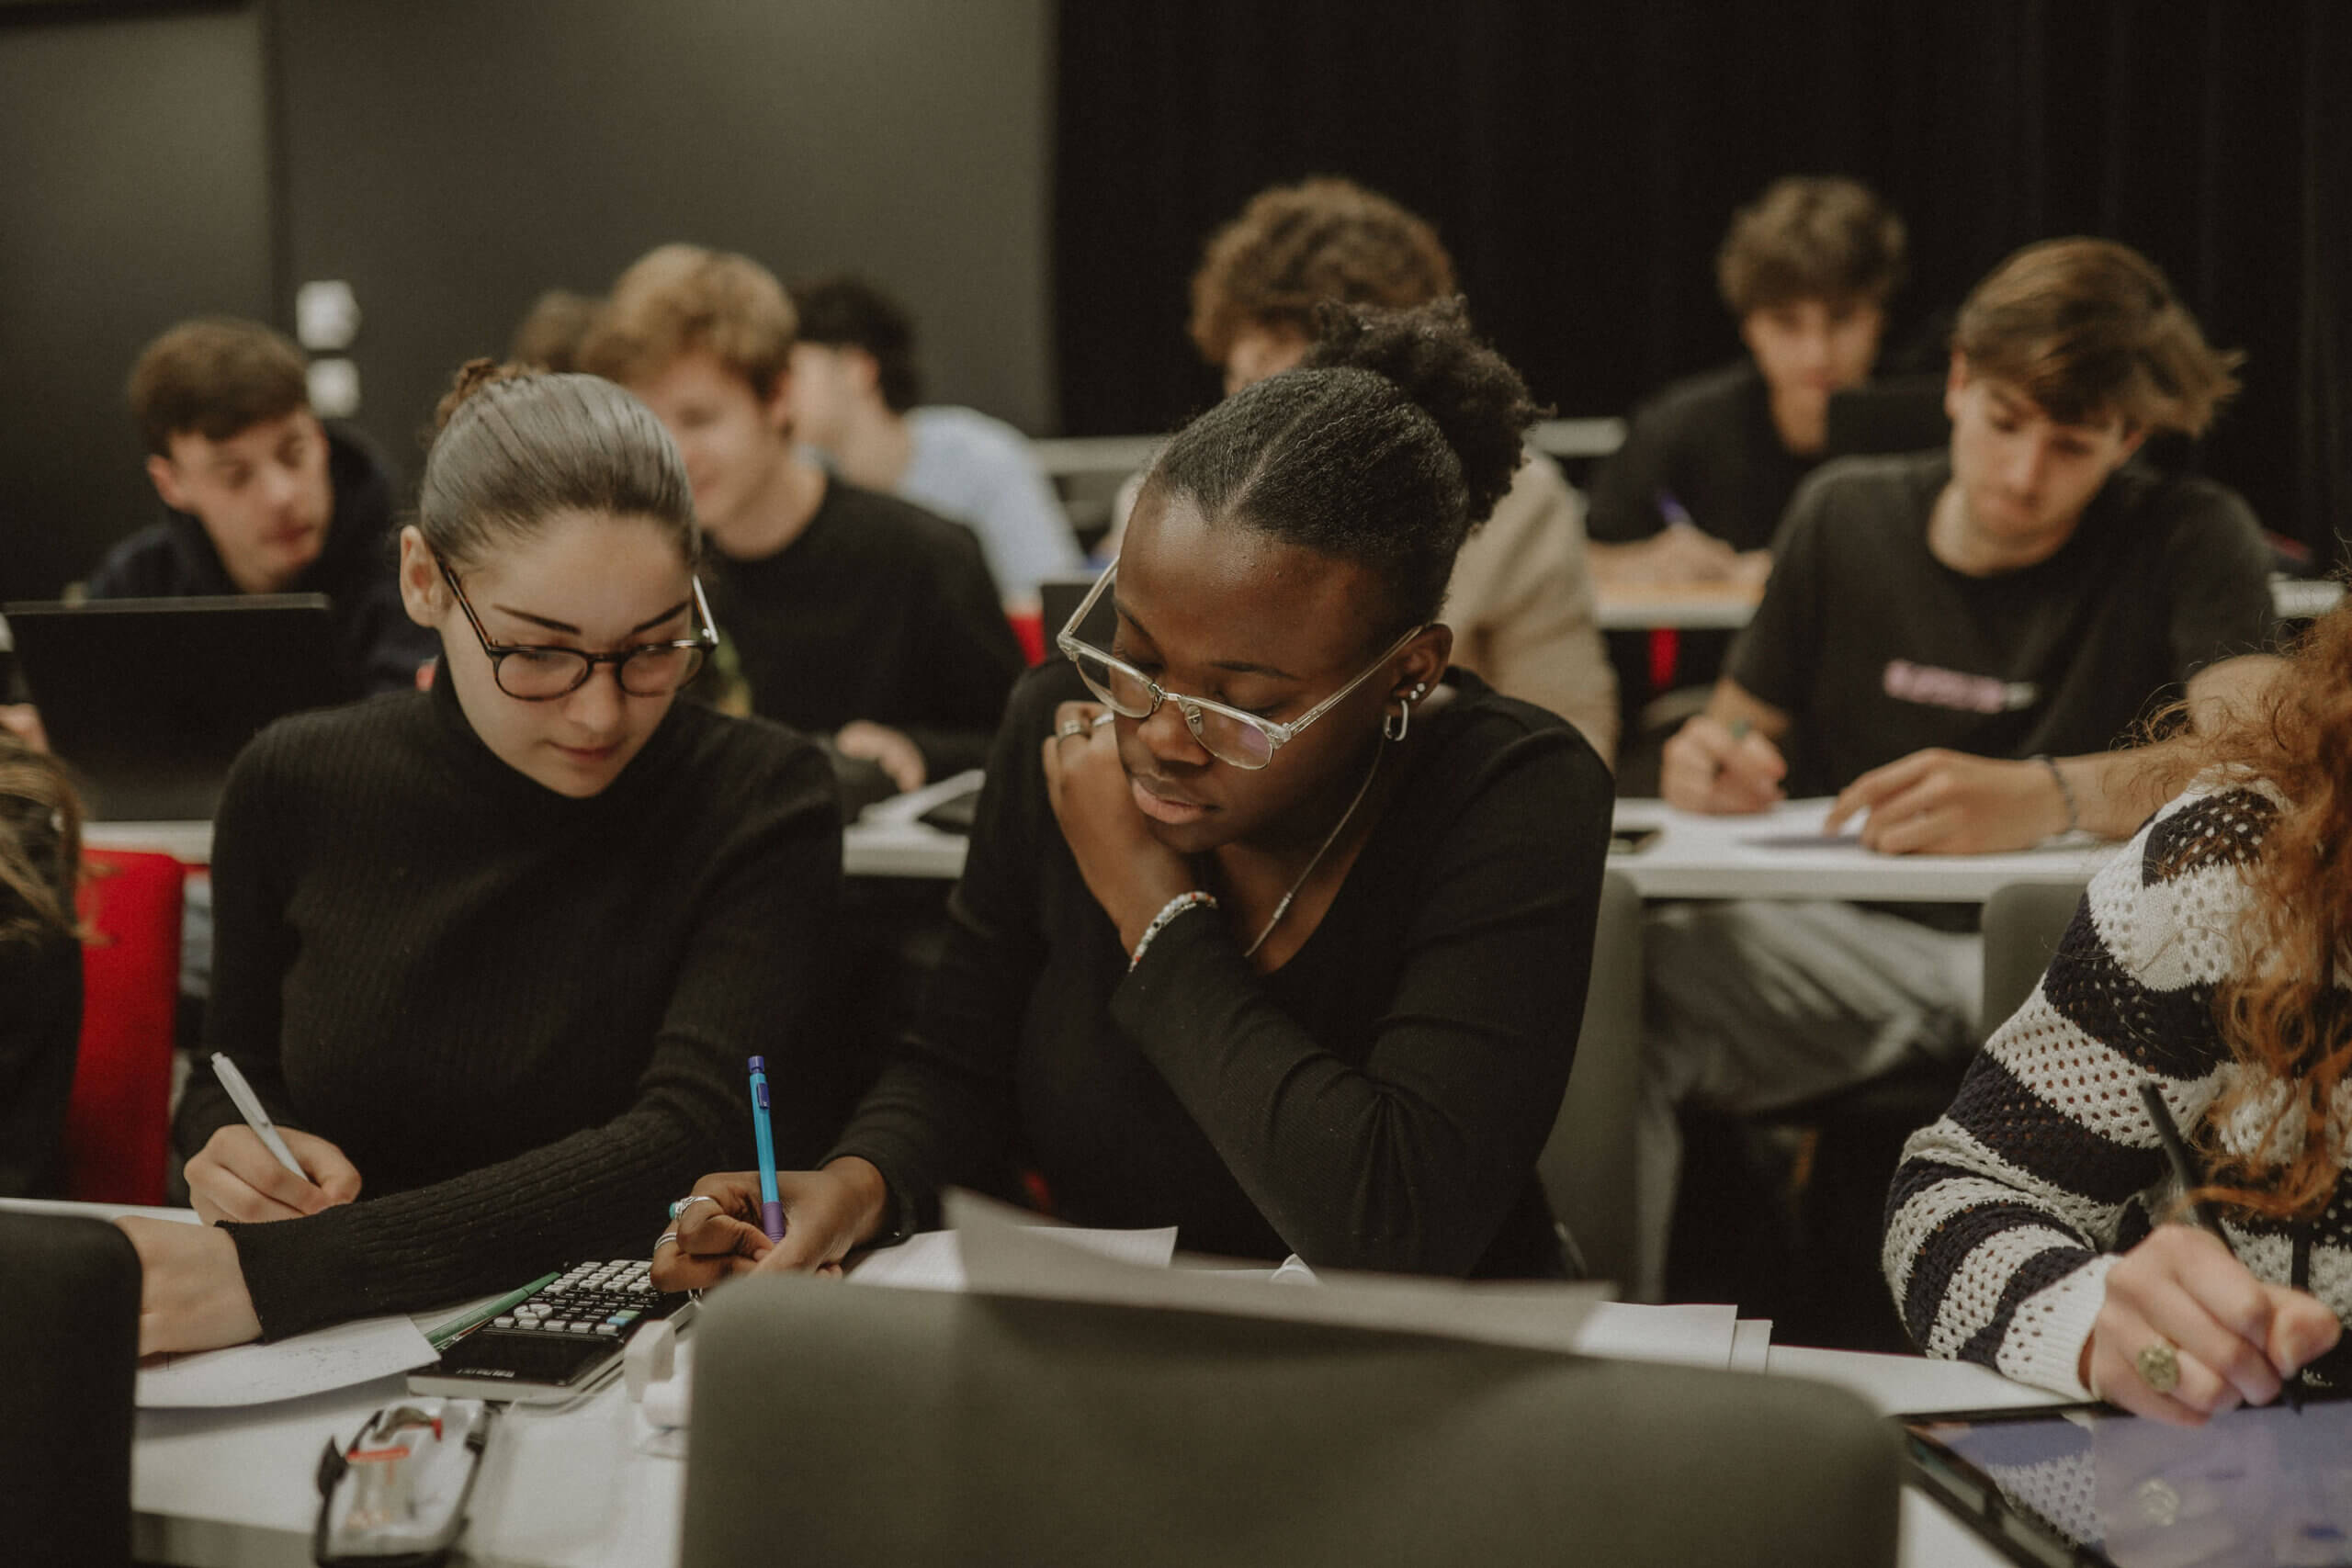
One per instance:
(260, 497)
(855, 391)
(850, 613)
(41, 967)
(492, 954)
(551, 331)
(1521, 599)
(1697, 490)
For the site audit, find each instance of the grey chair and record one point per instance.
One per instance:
(70, 1318)
(1587, 1165)
(855, 1427)
(2023, 922)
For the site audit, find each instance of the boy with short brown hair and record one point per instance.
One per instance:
(1708, 468)
(1954, 643)
(260, 497)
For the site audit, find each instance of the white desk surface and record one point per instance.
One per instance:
(900, 849)
(571, 1489)
(1692, 606)
(1697, 857)
(567, 1489)
(1728, 606)
(1717, 857)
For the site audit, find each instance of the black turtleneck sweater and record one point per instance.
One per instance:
(1377, 1102)
(523, 1017)
(382, 647)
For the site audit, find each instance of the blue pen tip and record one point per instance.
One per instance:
(759, 1064)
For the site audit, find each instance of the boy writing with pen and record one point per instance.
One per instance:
(1951, 643)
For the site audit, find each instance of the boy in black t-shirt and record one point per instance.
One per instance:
(1698, 486)
(851, 613)
(1953, 642)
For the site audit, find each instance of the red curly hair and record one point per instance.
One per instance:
(2280, 1010)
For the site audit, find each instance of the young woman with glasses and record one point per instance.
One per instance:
(492, 954)
(1274, 928)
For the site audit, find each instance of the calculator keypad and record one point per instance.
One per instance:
(600, 1300)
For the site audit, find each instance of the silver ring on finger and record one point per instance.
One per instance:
(665, 1236)
(1100, 719)
(681, 1205)
(1069, 728)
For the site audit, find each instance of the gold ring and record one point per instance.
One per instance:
(2159, 1366)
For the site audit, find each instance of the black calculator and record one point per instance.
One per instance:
(562, 1341)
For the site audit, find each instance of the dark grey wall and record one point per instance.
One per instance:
(450, 158)
(133, 191)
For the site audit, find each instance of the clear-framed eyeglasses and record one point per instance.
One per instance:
(1238, 739)
(534, 673)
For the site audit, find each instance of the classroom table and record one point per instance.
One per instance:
(1695, 856)
(1685, 606)
(907, 848)
(580, 1487)
(1782, 854)
(1727, 607)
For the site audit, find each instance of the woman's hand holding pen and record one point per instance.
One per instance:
(2234, 1338)
(234, 1176)
(826, 1213)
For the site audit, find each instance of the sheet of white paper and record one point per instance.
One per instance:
(309, 1363)
(933, 1260)
(1004, 1257)
(1694, 1334)
(1751, 1345)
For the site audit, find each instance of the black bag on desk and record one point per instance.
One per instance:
(69, 1315)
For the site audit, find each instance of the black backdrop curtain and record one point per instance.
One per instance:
(1582, 159)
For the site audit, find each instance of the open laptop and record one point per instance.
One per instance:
(149, 700)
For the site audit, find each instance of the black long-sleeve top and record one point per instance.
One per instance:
(523, 1017)
(1377, 1102)
(877, 610)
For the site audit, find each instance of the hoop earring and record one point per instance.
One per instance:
(1395, 725)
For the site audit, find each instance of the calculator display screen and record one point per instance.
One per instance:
(554, 1358)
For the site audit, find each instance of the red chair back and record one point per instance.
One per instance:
(117, 1127)
(1029, 630)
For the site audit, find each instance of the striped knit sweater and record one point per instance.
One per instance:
(2008, 1213)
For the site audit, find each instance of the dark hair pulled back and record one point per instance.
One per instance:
(515, 447)
(1392, 439)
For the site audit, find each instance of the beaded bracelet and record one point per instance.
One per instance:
(2066, 790)
(1168, 911)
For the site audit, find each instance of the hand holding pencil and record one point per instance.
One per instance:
(2187, 1331)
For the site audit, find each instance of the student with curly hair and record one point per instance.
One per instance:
(1275, 928)
(1519, 602)
(492, 954)
(40, 966)
(2030, 1227)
